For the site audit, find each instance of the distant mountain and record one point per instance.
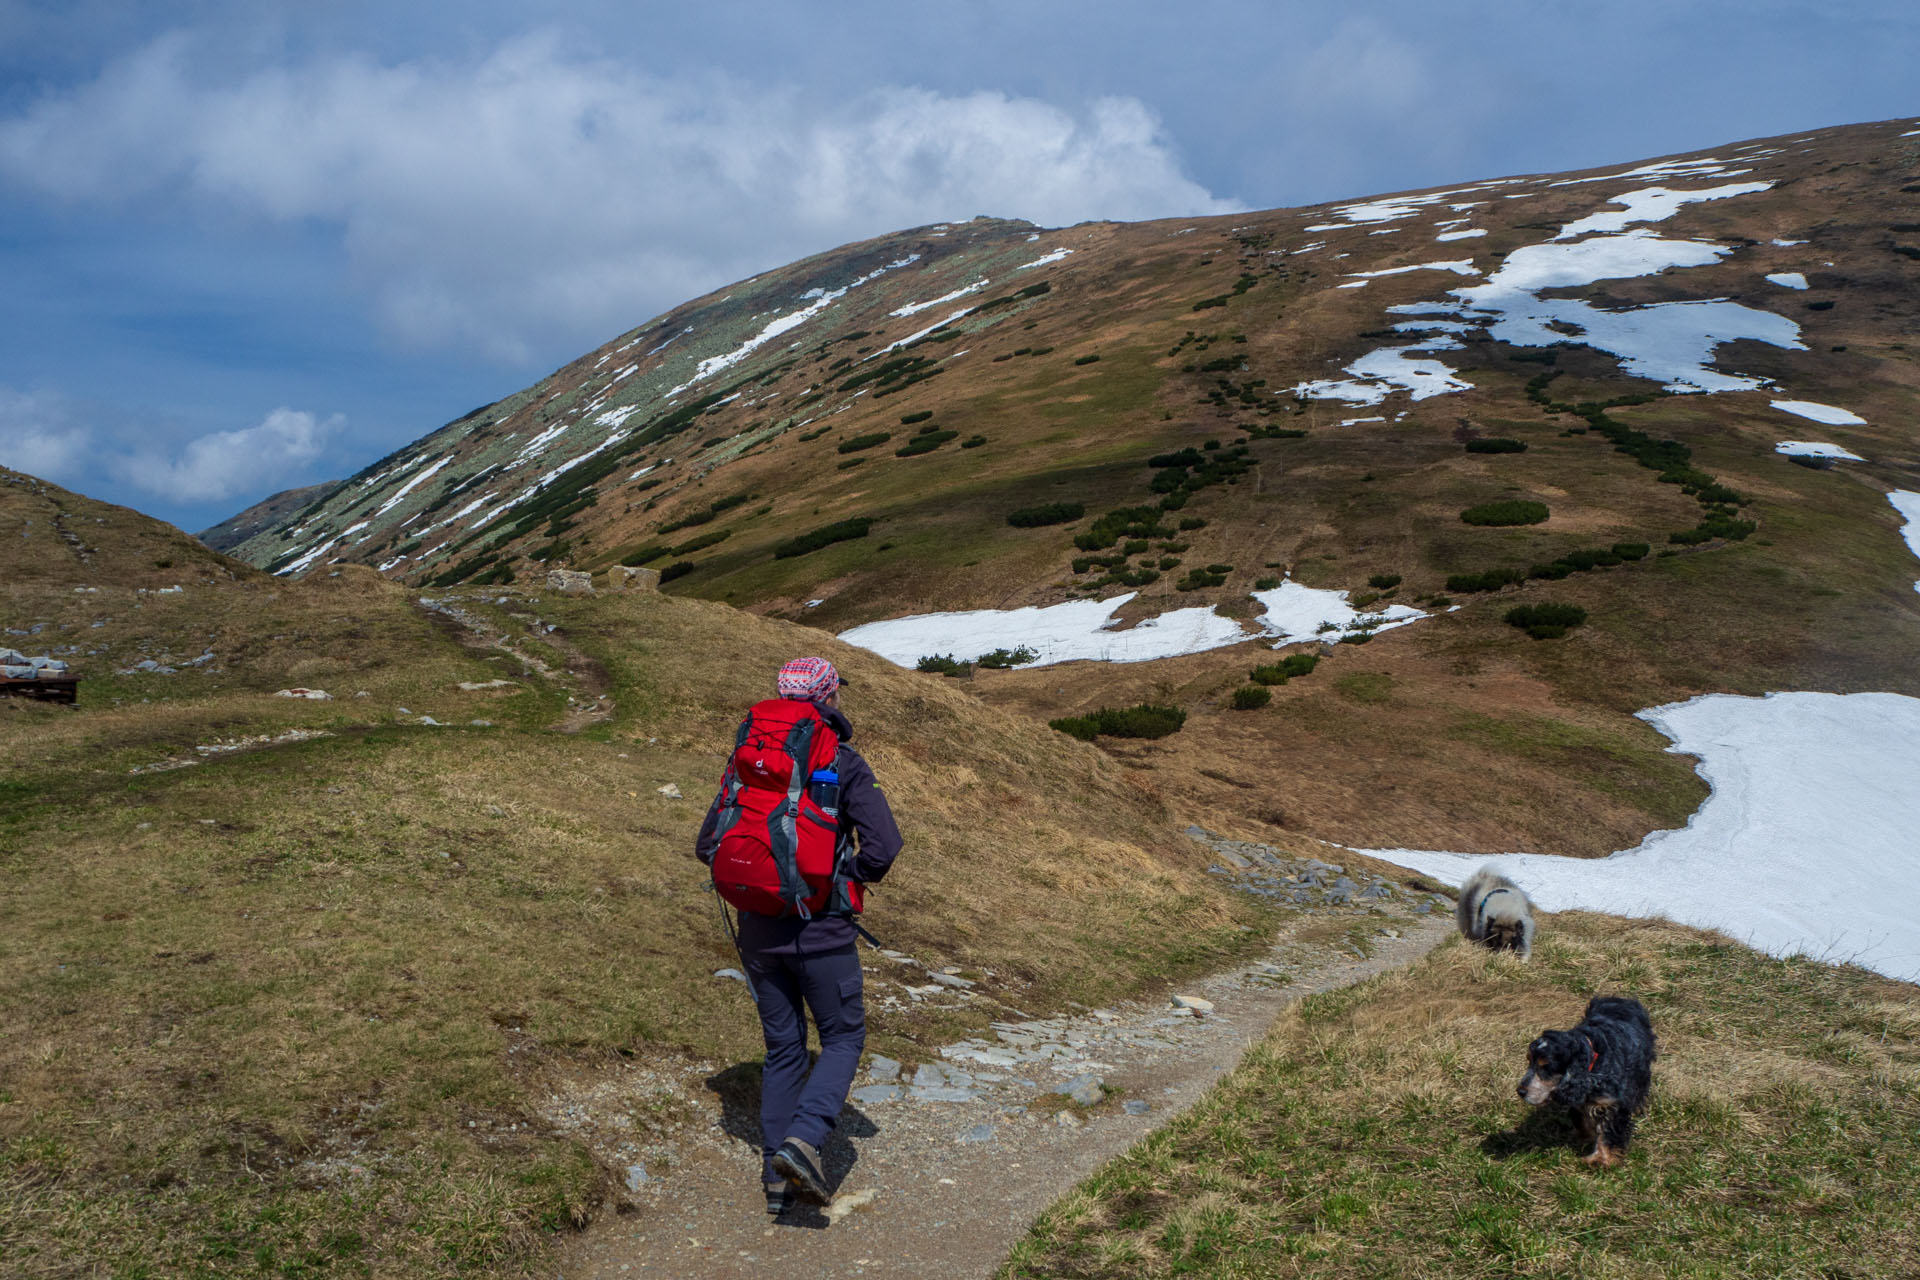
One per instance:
(256, 519)
(1169, 420)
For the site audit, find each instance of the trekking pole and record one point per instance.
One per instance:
(733, 939)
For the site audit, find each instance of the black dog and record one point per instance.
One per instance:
(1602, 1069)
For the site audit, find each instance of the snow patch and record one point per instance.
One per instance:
(1652, 204)
(1461, 235)
(1821, 413)
(915, 308)
(1055, 256)
(1907, 504)
(410, 486)
(1378, 374)
(1084, 629)
(1805, 846)
(1815, 449)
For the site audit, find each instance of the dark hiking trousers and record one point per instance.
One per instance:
(796, 1103)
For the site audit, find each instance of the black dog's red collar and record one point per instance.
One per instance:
(1596, 1054)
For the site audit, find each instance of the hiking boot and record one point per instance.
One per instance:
(779, 1198)
(801, 1164)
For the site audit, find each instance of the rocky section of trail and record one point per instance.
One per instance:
(940, 1166)
(587, 685)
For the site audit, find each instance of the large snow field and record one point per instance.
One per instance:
(1808, 845)
(1083, 629)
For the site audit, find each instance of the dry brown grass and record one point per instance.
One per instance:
(249, 1007)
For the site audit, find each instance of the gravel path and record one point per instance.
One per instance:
(941, 1170)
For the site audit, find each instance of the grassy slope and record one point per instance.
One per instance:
(283, 1011)
(1482, 722)
(1375, 1132)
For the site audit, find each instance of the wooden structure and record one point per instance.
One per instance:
(62, 689)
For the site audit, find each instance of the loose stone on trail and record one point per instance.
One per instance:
(1195, 1003)
(1083, 1089)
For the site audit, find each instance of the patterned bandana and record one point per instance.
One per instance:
(808, 679)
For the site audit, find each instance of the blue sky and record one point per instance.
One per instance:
(252, 245)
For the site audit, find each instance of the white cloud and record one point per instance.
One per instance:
(39, 437)
(536, 188)
(226, 464)
(86, 447)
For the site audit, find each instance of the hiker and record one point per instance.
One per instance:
(798, 828)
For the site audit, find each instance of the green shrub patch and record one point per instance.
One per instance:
(678, 569)
(1122, 522)
(1251, 697)
(702, 542)
(1004, 659)
(973, 442)
(840, 531)
(1496, 444)
(1487, 580)
(1147, 720)
(868, 441)
(908, 419)
(925, 442)
(1045, 514)
(1198, 579)
(1384, 581)
(1512, 511)
(1545, 621)
(943, 664)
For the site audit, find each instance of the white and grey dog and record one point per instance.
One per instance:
(1494, 912)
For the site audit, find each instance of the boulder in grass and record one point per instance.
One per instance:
(627, 578)
(312, 695)
(570, 582)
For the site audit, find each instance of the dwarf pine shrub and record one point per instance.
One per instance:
(868, 441)
(826, 535)
(1512, 511)
(1264, 584)
(1251, 697)
(1045, 514)
(1545, 621)
(1496, 444)
(925, 442)
(1631, 550)
(1005, 659)
(1147, 720)
(1488, 580)
(973, 442)
(678, 569)
(943, 664)
(1384, 581)
(908, 419)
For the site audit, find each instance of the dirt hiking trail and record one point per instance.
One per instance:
(938, 1172)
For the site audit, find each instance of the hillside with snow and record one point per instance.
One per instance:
(1675, 395)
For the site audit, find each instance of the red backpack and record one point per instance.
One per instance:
(780, 816)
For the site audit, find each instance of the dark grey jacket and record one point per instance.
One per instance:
(866, 823)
